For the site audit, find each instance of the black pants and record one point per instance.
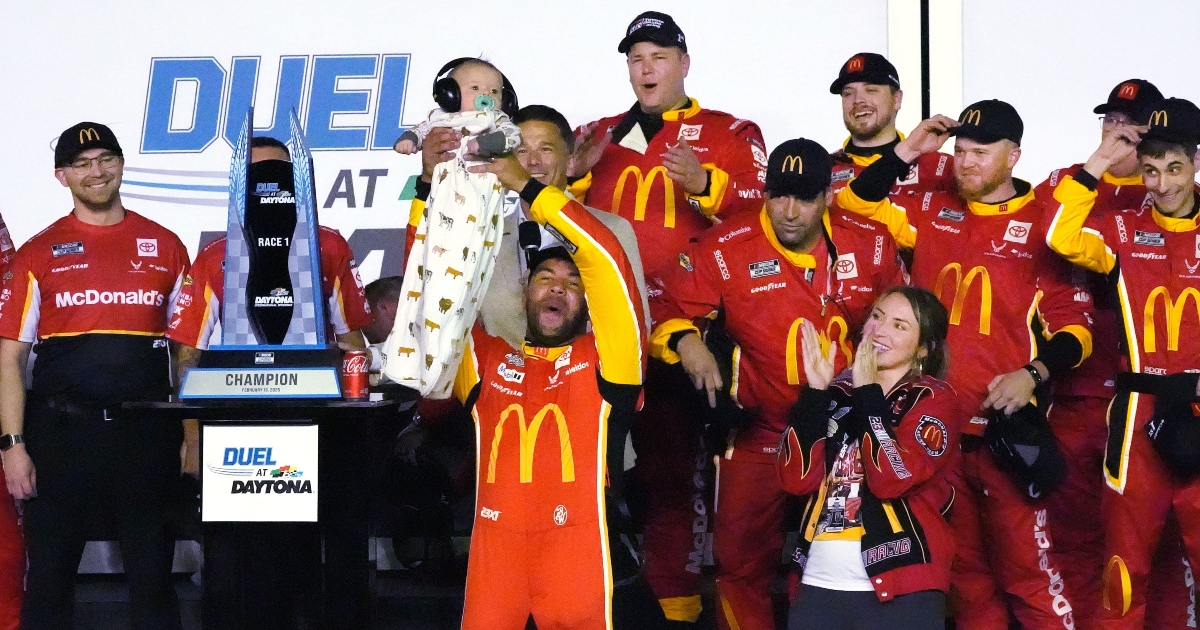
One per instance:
(270, 576)
(823, 609)
(91, 469)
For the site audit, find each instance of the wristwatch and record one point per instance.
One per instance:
(9, 440)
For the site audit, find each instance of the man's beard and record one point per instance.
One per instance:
(869, 133)
(565, 334)
(985, 188)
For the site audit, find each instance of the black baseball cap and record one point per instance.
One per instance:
(1130, 97)
(654, 27)
(990, 121)
(798, 168)
(868, 68)
(81, 137)
(1174, 120)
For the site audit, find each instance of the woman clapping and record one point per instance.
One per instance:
(871, 449)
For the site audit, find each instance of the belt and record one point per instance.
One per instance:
(71, 408)
(1141, 383)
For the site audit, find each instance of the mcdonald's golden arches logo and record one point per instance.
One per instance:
(792, 163)
(528, 441)
(1128, 91)
(1159, 118)
(971, 117)
(836, 331)
(88, 135)
(962, 286)
(642, 197)
(855, 64)
(1174, 313)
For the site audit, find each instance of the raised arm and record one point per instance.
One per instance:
(1076, 196)
(614, 303)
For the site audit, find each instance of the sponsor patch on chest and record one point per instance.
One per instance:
(843, 175)
(1154, 239)
(846, 266)
(1017, 231)
(67, 249)
(764, 268)
(951, 215)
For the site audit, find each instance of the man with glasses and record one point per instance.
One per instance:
(1081, 399)
(1081, 396)
(93, 291)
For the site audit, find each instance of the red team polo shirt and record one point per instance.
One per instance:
(198, 308)
(96, 299)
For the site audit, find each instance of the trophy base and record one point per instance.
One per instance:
(277, 373)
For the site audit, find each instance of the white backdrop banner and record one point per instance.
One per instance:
(173, 80)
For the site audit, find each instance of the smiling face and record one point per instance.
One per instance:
(869, 109)
(475, 79)
(657, 74)
(94, 177)
(1170, 180)
(981, 168)
(893, 331)
(544, 153)
(554, 304)
(796, 222)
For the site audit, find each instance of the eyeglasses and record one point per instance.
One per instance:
(1108, 120)
(107, 162)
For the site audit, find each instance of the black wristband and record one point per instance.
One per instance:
(530, 192)
(876, 181)
(423, 188)
(1062, 352)
(1085, 178)
(676, 337)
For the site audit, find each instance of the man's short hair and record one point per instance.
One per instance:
(263, 142)
(384, 288)
(1158, 149)
(547, 114)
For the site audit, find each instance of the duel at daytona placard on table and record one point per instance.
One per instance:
(259, 473)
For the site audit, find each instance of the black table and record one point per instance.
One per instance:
(263, 576)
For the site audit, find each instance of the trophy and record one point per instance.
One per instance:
(273, 328)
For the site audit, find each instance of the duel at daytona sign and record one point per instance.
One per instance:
(259, 473)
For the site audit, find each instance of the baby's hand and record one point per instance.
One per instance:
(473, 146)
(405, 146)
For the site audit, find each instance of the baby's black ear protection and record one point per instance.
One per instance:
(447, 95)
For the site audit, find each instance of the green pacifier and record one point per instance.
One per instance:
(484, 103)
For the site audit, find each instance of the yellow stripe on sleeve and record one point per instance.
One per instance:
(611, 306)
(1067, 236)
(662, 334)
(883, 211)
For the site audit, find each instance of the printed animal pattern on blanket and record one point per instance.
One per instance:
(445, 278)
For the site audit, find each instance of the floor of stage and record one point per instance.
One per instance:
(403, 600)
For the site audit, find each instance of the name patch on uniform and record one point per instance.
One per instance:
(843, 175)
(952, 215)
(66, 249)
(1149, 238)
(764, 268)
